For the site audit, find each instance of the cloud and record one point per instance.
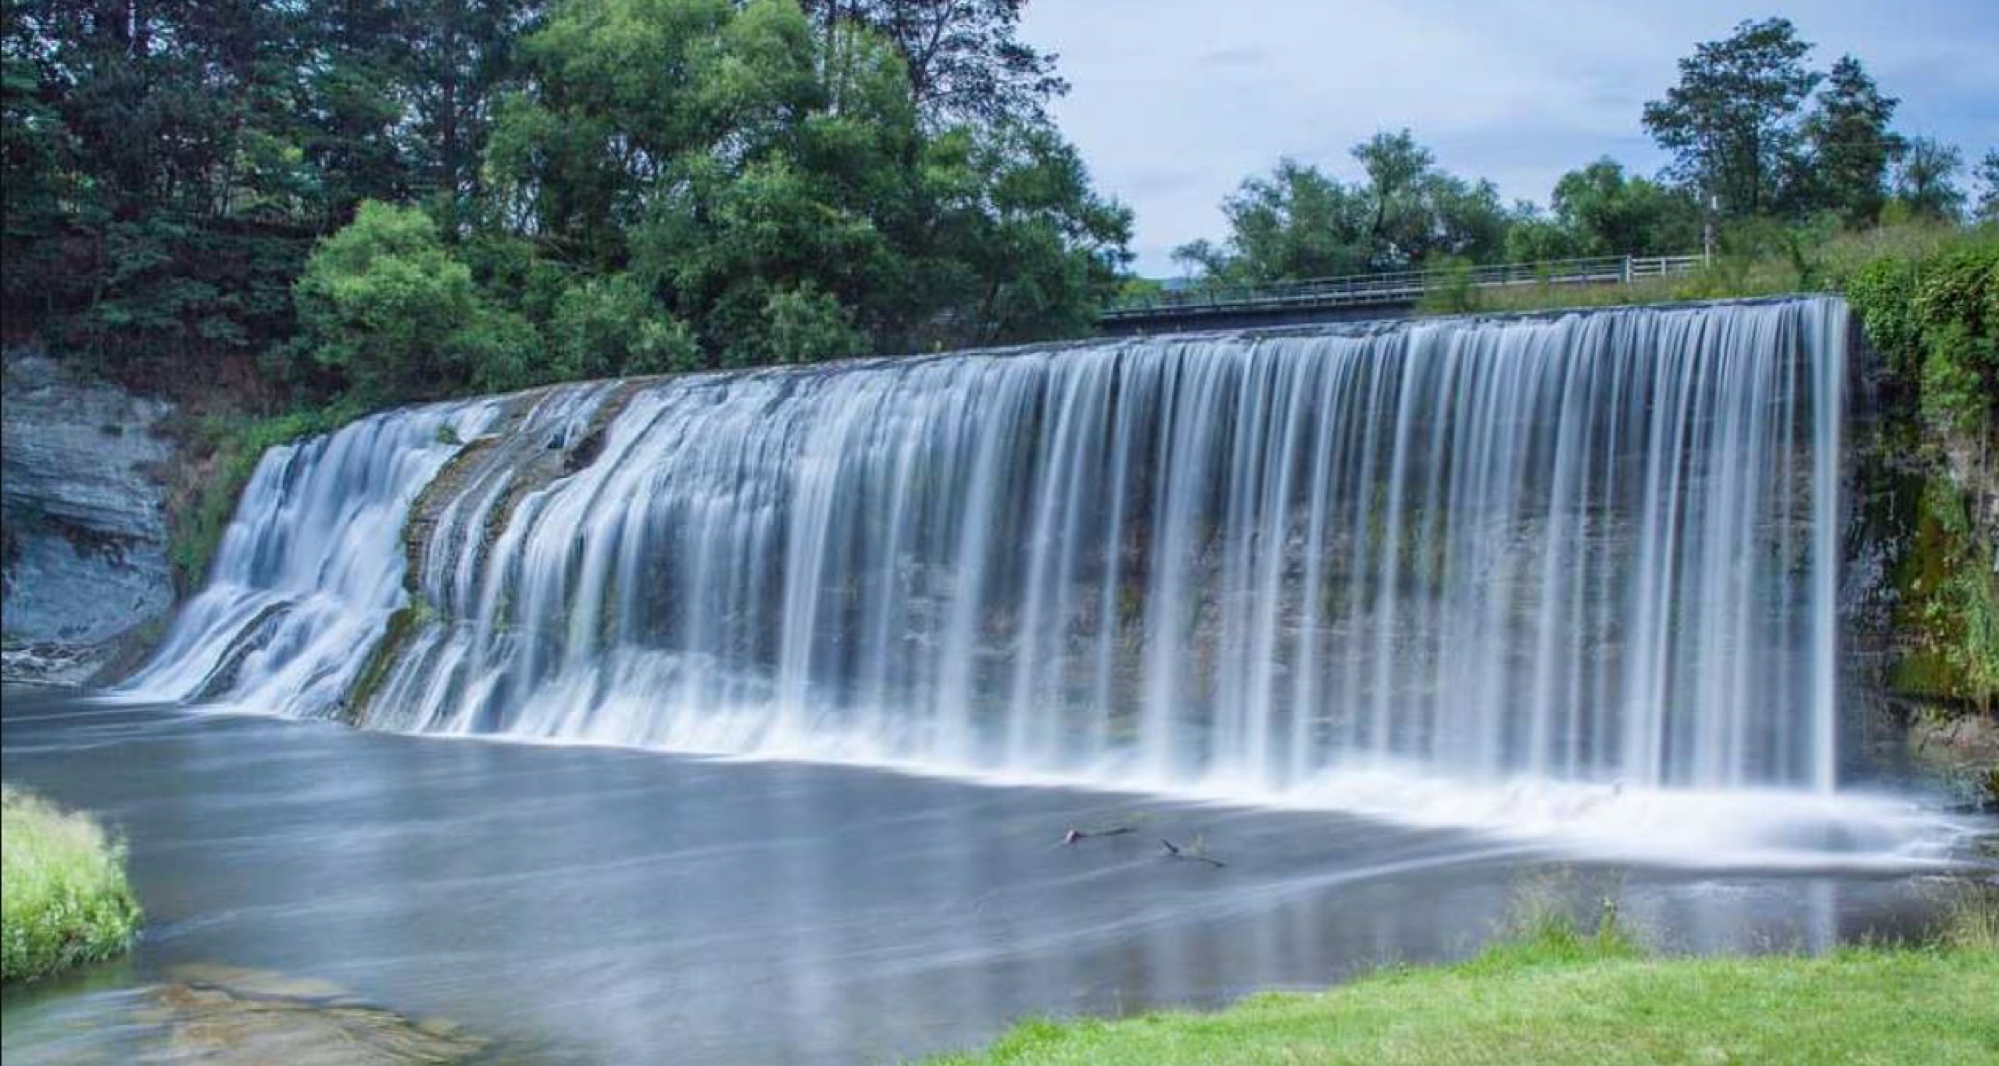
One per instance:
(1176, 101)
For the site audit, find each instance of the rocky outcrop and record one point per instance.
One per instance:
(84, 530)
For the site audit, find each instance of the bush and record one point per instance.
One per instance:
(1933, 314)
(797, 325)
(63, 897)
(610, 326)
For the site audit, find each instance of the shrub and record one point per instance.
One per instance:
(63, 897)
(610, 326)
(797, 325)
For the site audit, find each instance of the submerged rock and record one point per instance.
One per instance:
(227, 1016)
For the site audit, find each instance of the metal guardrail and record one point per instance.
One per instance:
(1405, 286)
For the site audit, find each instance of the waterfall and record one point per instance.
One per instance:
(1594, 547)
(309, 570)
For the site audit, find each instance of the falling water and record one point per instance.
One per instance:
(1598, 547)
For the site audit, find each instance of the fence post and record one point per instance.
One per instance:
(1627, 270)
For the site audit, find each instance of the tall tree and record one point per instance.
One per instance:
(1927, 182)
(1850, 145)
(1730, 122)
(965, 58)
(461, 58)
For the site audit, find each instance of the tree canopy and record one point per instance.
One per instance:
(739, 181)
(1297, 222)
(1730, 122)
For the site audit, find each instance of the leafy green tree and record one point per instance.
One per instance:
(1535, 236)
(738, 162)
(965, 60)
(460, 57)
(1297, 222)
(1927, 181)
(385, 306)
(1417, 212)
(1294, 223)
(1850, 146)
(1620, 214)
(1035, 249)
(1730, 123)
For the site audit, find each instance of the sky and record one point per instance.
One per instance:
(1174, 102)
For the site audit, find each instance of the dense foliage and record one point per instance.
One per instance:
(63, 897)
(1934, 317)
(407, 198)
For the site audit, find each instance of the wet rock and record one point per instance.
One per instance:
(226, 1016)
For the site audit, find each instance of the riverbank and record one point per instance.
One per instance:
(64, 901)
(1558, 997)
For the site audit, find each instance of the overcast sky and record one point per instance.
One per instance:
(1175, 101)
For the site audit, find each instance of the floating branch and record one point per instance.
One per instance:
(1192, 853)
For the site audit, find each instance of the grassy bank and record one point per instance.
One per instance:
(1553, 995)
(63, 897)
(1753, 260)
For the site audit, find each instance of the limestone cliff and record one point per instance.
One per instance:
(85, 534)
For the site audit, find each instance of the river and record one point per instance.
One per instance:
(585, 904)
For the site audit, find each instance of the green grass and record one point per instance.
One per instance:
(1555, 993)
(63, 897)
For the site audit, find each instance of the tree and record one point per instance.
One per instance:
(1294, 223)
(386, 307)
(1850, 146)
(461, 57)
(619, 186)
(1617, 214)
(1298, 223)
(1729, 123)
(1927, 182)
(740, 165)
(1988, 176)
(965, 59)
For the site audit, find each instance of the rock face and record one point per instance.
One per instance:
(85, 535)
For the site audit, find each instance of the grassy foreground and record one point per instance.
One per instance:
(63, 897)
(1558, 997)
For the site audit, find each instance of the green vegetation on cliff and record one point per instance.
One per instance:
(1933, 315)
(219, 454)
(63, 897)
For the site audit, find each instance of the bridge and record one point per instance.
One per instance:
(1360, 296)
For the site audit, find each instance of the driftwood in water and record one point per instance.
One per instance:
(1074, 835)
(1192, 853)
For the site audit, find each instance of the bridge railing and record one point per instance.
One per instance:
(1402, 286)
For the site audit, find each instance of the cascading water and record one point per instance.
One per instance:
(309, 570)
(1598, 547)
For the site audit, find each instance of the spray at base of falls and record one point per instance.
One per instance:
(1597, 550)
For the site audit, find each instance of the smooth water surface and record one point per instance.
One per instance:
(599, 905)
